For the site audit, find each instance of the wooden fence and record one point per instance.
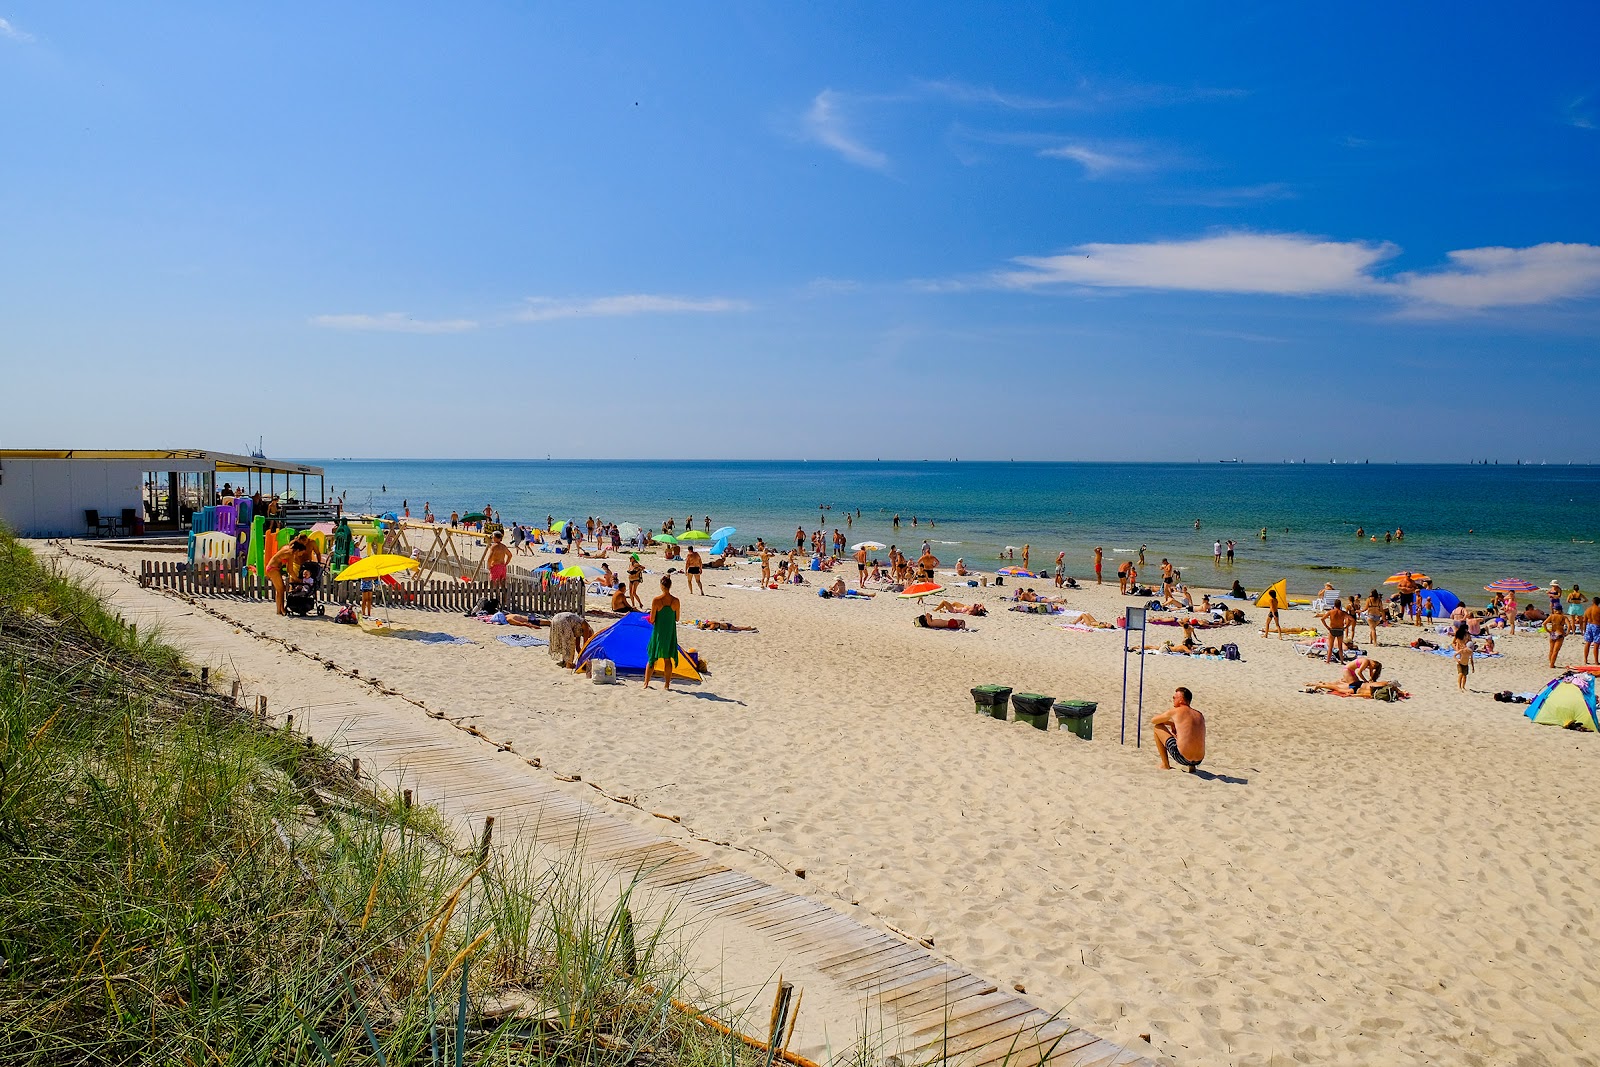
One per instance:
(231, 578)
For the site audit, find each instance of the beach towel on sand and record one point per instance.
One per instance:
(522, 641)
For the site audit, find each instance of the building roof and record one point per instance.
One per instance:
(223, 462)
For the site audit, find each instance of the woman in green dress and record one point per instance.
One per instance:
(663, 633)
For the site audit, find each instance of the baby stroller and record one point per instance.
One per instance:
(300, 597)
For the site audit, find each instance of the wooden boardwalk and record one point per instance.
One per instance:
(930, 1010)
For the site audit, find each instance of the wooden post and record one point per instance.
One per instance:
(405, 798)
(778, 1019)
(238, 687)
(261, 708)
(205, 677)
(355, 767)
(488, 837)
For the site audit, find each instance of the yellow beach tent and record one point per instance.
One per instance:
(1282, 586)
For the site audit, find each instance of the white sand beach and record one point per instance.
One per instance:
(1352, 882)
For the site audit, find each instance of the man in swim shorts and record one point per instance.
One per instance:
(861, 566)
(1591, 632)
(499, 557)
(1180, 733)
(1337, 620)
(692, 564)
(1408, 593)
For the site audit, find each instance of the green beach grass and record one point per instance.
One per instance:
(179, 884)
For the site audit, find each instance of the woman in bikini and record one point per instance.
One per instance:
(1374, 613)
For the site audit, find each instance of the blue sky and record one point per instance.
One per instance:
(800, 231)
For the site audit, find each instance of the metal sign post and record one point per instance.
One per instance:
(1133, 619)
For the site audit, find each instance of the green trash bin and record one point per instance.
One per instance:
(991, 700)
(1033, 709)
(1077, 717)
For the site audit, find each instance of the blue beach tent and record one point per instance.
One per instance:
(625, 642)
(1437, 603)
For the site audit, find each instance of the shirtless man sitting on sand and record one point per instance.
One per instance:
(1180, 733)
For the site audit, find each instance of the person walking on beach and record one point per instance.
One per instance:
(1061, 568)
(691, 569)
(1141, 554)
(1408, 595)
(1555, 628)
(1122, 577)
(635, 576)
(1272, 614)
(1180, 733)
(499, 557)
(926, 563)
(861, 566)
(1591, 632)
(799, 537)
(1462, 647)
(663, 633)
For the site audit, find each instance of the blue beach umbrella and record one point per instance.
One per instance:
(719, 546)
(722, 533)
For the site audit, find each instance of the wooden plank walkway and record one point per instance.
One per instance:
(932, 1009)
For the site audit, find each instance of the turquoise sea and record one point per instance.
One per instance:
(1464, 525)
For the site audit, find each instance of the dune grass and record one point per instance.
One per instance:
(179, 884)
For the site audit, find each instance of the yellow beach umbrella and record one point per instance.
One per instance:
(376, 567)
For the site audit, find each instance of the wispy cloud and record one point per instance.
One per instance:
(1086, 96)
(393, 322)
(1578, 113)
(824, 123)
(1232, 196)
(1477, 279)
(12, 33)
(1281, 264)
(546, 309)
(1295, 264)
(1101, 161)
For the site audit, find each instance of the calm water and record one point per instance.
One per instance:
(1524, 521)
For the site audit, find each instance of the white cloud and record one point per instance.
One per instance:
(1579, 115)
(1295, 264)
(544, 309)
(825, 125)
(1480, 278)
(1282, 264)
(1100, 162)
(393, 322)
(11, 32)
(1230, 196)
(1087, 97)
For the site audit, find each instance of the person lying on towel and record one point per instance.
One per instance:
(928, 622)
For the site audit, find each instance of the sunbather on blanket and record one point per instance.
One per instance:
(958, 608)
(713, 624)
(928, 622)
